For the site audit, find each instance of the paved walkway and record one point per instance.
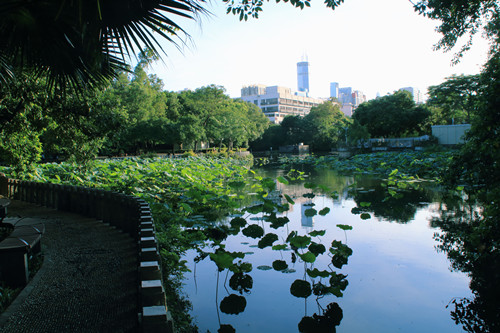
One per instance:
(87, 282)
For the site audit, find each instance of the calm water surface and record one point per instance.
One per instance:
(398, 281)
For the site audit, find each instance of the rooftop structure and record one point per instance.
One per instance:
(278, 102)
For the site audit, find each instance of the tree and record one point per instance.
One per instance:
(456, 97)
(272, 137)
(325, 126)
(83, 43)
(394, 115)
(293, 130)
(459, 18)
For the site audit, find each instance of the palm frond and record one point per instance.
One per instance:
(83, 43)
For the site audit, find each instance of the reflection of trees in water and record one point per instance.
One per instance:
(400, 208)
(472, 243)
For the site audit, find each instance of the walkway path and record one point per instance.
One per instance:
(87, 282)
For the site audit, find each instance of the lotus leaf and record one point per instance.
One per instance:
(324, 211)
(300, 242)
(280, 265)
(317, 249)
(253, 231)
(267, 240)
(233, 304)
(301, 288)
(308, 257)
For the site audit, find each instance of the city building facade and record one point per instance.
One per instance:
(334, 90)
(303, 76)
(348, 98)
(278, 102)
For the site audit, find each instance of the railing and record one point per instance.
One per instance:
(125, 212)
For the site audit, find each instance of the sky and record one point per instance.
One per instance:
(372, 46)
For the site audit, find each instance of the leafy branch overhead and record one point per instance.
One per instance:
(82, 43)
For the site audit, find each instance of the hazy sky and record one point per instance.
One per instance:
(373, 46)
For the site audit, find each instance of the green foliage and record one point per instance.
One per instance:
(419, 164)
(454, 100)
(93, 40)
(301, 288)
(324, 126)
(459, 19)
(395, 115)
(233, 304)
(7, 295)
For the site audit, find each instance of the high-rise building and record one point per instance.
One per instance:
(345, 95)
(334, 90)
(278, 102)
(418, 97)
(303, 76)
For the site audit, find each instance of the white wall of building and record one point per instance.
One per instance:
(278, 102)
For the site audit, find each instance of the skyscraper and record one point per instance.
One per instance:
(334, 90)
(303, 75)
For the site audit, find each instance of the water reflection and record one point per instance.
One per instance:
(471, 241)
(270, 260)
(400, 207)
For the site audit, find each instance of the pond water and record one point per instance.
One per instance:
(397, 280)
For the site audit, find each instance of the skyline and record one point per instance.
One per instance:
(362, 44)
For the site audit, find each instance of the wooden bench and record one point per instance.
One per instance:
(15, 252)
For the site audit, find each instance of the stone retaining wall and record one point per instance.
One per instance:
(125, 212)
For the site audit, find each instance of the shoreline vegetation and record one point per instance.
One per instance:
(197, 189)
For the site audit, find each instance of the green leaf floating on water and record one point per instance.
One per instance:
(310, 185)
(280, 265)
(314, 273)
(255, 209)
(301, 288)
(253, 231)
(233, 304)
(267, 240)
(291, 235)
(278, 222)
(341, 253)
(365, 216)
(315, 233)
(222, 259)
(241, 282)
(225, 328)
(344, 227)
(300, 242)
(365, 204)
(310, 212)
(238, 222)
(324, 211)
(289, 199)
(356, 210)
(282, 180)
(317, 249)
(264, 268)
(279, 247)
(308, 257)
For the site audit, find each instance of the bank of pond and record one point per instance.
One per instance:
(308, 245)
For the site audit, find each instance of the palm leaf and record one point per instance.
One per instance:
(83, 43)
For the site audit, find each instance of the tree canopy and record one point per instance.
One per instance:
(394, 115)
(456, 97)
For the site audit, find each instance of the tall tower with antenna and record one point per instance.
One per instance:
(303, 75)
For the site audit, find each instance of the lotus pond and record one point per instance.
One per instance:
(351, 254)
(286, 250)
